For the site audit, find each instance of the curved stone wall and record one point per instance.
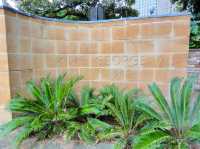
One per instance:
(129, 52)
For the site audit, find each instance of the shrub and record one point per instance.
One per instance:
(126, 119)
(86, 124)
(46, 112)
(178, 121)
(112, 114)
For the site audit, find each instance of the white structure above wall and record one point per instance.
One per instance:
(154, 7)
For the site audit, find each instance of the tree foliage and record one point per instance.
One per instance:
(77, 9)
(195, 36)
(192, 5)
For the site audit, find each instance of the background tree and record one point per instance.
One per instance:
(192, 5)
(61, 9)
(119, 8)
(77, 9)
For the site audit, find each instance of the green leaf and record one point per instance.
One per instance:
(108, 134)
(22, 135)
(87, 134)
(194, 116)
(120, 144)
(150, 139)
(72, 130)
(99, 125)
(144, 107)
(14, 124)
(162, 102)
(86, 95)
(34, 90)
(186, 93)
(194, 132)
(68, 115)
(175, 87)
(141, 119)
(90, 109)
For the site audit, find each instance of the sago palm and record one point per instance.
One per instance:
(86, 124)
(50, 105)
(127, 120)
(178, 120)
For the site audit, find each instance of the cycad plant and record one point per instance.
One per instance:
(86, 124)
(127, 120)
(178, 119)
(46, 112)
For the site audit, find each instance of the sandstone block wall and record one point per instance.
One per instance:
(4, 70)
(129, 52)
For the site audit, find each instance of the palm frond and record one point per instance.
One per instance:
(22, 135)
(186, 93)
(194, 118)
(87, 134)
(148, 140)
(144, 106)
(14, 124)
(159, 97)
(99, 125)
(86, 95)
(175, 87)
(110, 133)
(120, 144)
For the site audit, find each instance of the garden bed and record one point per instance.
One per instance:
(109, 114)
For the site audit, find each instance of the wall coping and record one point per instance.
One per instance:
(7, 7)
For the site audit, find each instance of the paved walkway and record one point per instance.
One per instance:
(58, 143)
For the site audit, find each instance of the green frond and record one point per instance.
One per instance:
(34, 90)
(14, 124)
(72, 130)
(68, 115)
(109, 90)
(23, 105)
(63, 89)
(116, 114)
(194, 132)
(175, 87)
(120, 144)
(22, 135)
(141, 120)
(162, 102)
(148, 140)
(47, 92)
(153, 125)
(89, 109)
(183, 145)
(144, 107)
(87, 134)
(110, 133)
(99, 125)
(194, 115)
(86, 95)
(186, 93)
